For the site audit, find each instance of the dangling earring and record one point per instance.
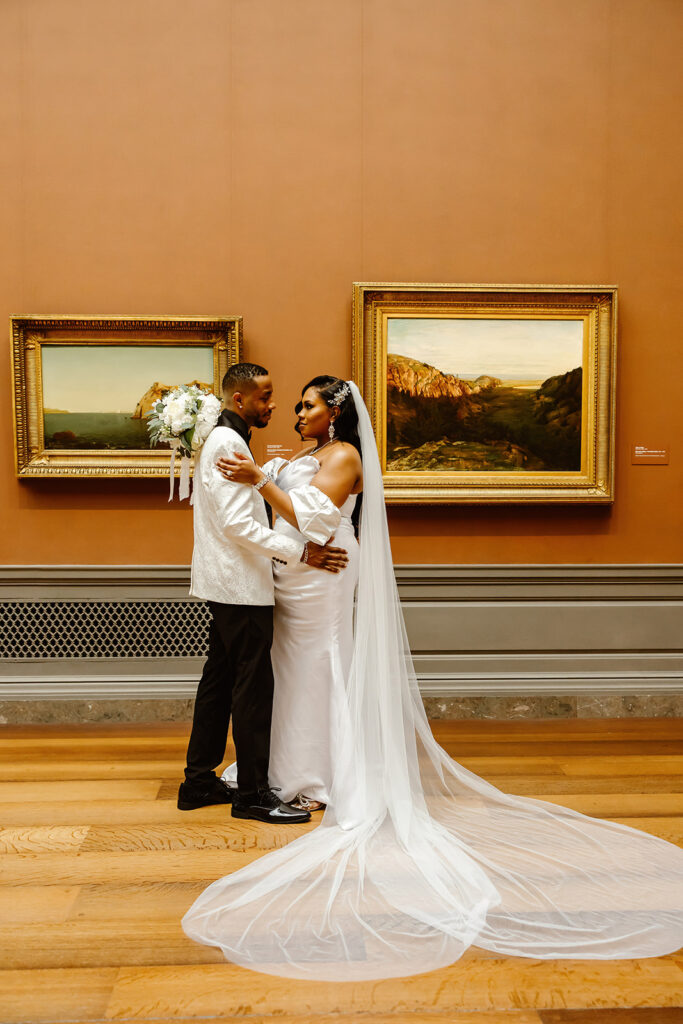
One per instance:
(331, 431)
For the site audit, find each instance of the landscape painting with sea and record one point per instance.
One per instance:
(97, 396)
(484, 394)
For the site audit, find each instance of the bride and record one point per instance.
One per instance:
(313, 623)
(416, 858)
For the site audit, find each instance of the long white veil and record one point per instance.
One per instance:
(416, 857)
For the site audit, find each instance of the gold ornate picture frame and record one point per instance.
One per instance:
(83, 384)
(489, 393)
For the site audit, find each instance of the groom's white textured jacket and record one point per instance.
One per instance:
(233, 545)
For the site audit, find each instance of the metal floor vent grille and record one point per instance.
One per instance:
(103, 629)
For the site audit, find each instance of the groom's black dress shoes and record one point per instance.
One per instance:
(266, 806)
(216, 792)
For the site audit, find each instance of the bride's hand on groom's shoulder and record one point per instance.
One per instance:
(238, 469)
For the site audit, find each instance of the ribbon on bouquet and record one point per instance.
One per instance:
(184, 487)
(174, 448)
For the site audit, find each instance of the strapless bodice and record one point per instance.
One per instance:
(299, 472)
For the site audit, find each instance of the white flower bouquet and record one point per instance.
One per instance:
(183, 419)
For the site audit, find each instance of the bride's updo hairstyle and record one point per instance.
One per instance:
(346, 423)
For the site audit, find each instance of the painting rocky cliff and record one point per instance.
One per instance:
(441, 422)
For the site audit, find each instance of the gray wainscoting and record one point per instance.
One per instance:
(478, 632)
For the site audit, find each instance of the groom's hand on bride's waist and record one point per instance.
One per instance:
(325, 557)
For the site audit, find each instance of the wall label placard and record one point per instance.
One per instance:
(650, 455)
(273, 451)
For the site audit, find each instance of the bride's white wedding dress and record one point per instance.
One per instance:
(312, 640)
(418, 858)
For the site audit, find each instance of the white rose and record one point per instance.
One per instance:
(206, 420)
(175, 414)
(208, 413)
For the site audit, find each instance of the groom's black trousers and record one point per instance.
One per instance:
(237, 681)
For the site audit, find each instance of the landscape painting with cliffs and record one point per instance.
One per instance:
(514, 416)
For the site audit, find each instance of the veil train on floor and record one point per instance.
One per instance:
(417, 858)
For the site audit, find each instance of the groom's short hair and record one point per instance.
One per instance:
(240, 374)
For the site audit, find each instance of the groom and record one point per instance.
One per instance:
(232, 571)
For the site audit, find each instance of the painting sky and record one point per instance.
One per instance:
(113, 378)
(512, 349)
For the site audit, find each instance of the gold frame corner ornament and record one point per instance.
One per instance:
(29, 333)
(375, 302)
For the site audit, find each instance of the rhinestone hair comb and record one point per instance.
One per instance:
(342, 392)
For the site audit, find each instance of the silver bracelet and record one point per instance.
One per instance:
(304, 557)
(261, 483)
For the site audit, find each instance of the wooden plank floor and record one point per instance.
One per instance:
(98, 866)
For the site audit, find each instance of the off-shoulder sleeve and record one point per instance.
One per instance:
(317, 515)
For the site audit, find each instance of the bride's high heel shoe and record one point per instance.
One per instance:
(304, 803)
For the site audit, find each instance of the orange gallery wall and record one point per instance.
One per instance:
(256, 157)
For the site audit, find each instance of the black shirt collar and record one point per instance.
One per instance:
(228, 418)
